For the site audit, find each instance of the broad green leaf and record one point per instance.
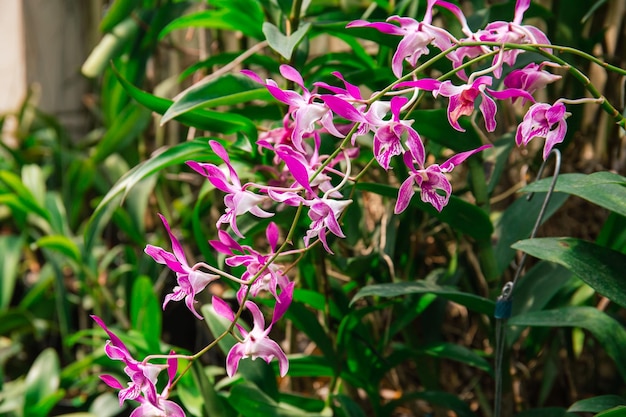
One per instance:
(250, 401)
(303, 402)
(58, 215)
(24, 196)
(245, 16)
(42, 382)
(456, 353)
(213, 403)
(601, 268)
(15, 320)
(125, 128)
(225, 90)
(597, 404)
(212, 121)
(117, 12)
(347, 405)
(33, 178)
(396, 289)
(535, 290)
(61, 244)
(284, 45)
(605, 189)
(104, 405)
(459, 214)
(307, 365)
(196, 149)
(218, 325)
(609, 332)
(145, 311)
(110, 46)
(613, 412)
(11, 250)
(307, 322)
(517, 223)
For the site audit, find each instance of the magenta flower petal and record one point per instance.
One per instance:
(405, 193)
(111, 381)
(222, 308)
(271, 234)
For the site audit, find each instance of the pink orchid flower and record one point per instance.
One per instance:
(302, 107)
(543, 121)
(431, 180)
(238, 200)
(324, 213)
(143, 378)
(256, 343)
(388, 133)
(512, 32)
(272, 277)
(530, 78)
(416, 37)
(190, 280)
(462, 98)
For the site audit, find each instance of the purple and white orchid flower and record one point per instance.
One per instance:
(431, 180)
(462, 98)
(190, 280)
(256, 343)
(238, 199)
(543, 120)
(303, 108)
(416, 37)
(143, 379)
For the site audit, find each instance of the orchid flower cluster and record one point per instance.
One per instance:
(314, 182)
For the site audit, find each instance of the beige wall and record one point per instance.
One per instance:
(43, 45)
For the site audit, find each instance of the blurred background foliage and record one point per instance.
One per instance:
(399, 323)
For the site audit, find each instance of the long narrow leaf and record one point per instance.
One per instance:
(601, 268)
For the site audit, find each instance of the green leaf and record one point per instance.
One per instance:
(605, 189)
(16, 320)
(613, 412)
(226, 90)
(396, 289)
(597, 404)
(117, 12)
(282, 44)
(250, 401)
(605, 329)
(212, 121)
(601, 268)
(244, 16)
(459, 214)
(42, 383)
(61, 244)
(456, 353)
(308, 365)
(110, 46)
(11, 250)
(197, 149)
(307, 322)
(23, 194)
(145, 312)
(125, 128)
(213, 403)
(517, 223)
